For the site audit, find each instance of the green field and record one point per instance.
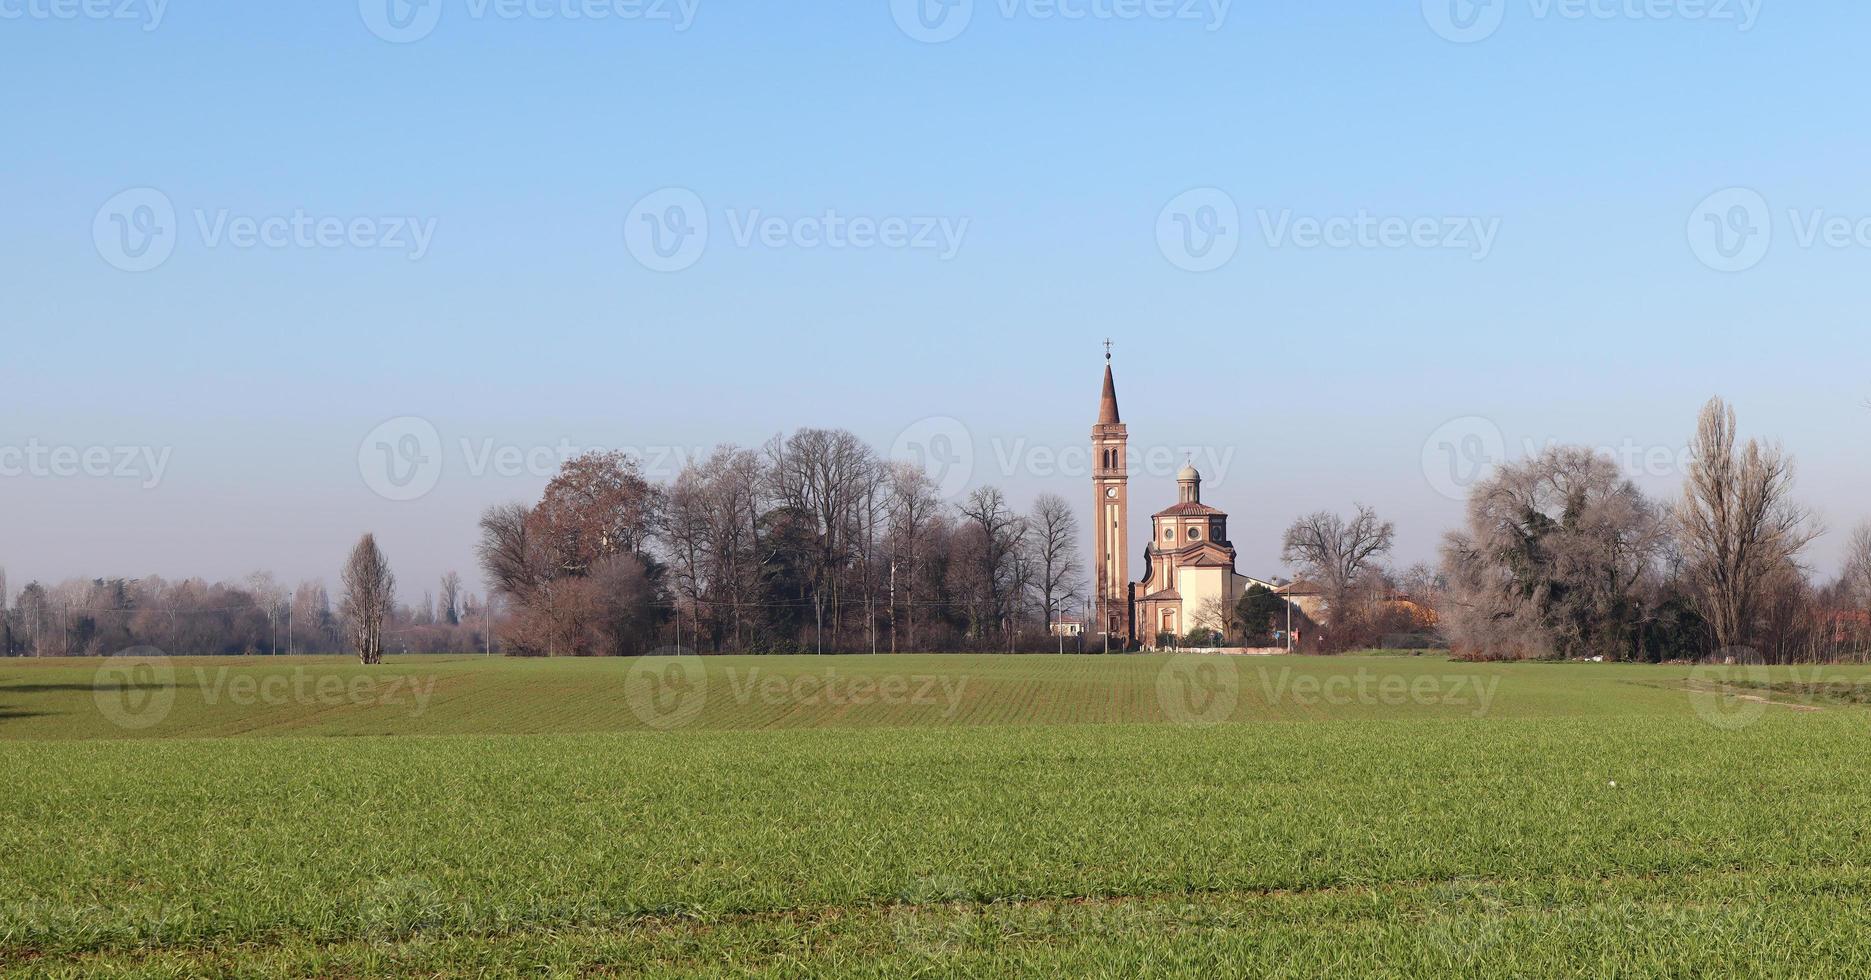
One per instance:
(930, 815)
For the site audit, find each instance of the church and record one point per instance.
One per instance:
(1188, 577)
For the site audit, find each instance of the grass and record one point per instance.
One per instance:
(1056, 815)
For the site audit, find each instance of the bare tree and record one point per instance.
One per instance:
(369, 592)
(451, 599)
(1737, 526)
(734, 478)
(1858, 567)
(1333, 551)
(1055, 549)
(513, 563)
(825, 475)
(991, 576)
(687, 533)
(1340, 556)
(915, 510)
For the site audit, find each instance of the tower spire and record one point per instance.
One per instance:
(1107, 405)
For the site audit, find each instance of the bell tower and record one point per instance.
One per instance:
(1110, 481)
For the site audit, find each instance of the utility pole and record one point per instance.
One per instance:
(289, 596)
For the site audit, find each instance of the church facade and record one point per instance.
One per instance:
(1188, 574)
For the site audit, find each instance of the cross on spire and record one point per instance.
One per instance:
(1107, 348)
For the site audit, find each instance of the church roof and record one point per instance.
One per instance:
(1165, 594)
(1191, 509)
(1107, 406)
(1213, 556)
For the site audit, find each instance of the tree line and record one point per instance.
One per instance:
(812, 543)
(256, 616)
(815, 543)
(1563, 556)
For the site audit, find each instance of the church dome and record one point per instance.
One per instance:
(1187, 473)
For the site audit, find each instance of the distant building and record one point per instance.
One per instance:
(1067, 626)
(1188, 577)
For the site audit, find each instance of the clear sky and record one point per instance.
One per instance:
(483, 216)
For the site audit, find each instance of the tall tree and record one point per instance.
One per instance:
(825, 475)
(915, 513)
(369, 592)
(1737, 526)
(992, 573)
(451, 598)
(1055, 549)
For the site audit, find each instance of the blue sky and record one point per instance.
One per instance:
(1593, 140)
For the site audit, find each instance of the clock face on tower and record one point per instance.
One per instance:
(1110, 493)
